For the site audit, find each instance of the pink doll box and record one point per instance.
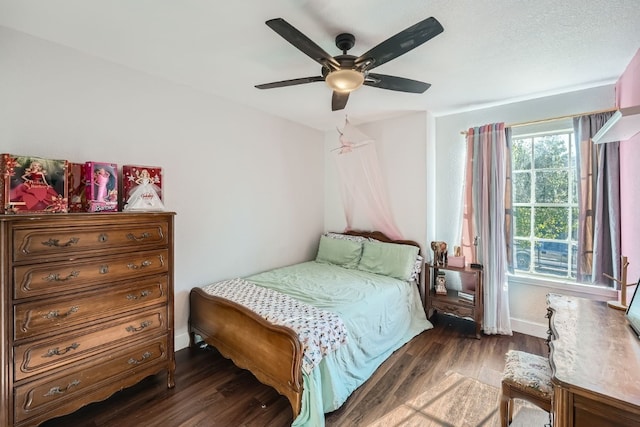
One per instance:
(132, 178)
(77, 195)
(101, 186)
(32, 185)
(456, 261)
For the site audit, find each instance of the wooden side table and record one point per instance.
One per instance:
(452, 303)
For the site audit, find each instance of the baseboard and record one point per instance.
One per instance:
(181, 341)
(529, 328)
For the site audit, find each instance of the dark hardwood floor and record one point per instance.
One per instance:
(211, 391)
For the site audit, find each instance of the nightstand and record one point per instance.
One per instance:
(468, 305)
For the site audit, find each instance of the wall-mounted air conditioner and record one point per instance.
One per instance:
(623, 125)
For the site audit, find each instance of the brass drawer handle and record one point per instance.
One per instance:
(54, 277)
(145, 356)
(57, 352)
(144, 264)
(56, 243)
(57, 390)
(55, 314)
(143, 325)
(143, 236)
(142, 295)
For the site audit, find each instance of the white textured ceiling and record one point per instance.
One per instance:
(491, 51)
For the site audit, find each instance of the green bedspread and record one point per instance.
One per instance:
(381, 315)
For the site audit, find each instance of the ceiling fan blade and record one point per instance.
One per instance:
(291, 82)
(339, 100)
(400, 84)
(400, 44)
(302, 42)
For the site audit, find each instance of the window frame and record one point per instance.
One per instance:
(535, 173)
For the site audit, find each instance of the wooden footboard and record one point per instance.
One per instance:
(272, 353)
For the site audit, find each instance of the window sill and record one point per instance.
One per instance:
(566, 286)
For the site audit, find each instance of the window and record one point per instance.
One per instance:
(545, 205)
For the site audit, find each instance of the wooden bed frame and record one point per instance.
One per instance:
(273, 354)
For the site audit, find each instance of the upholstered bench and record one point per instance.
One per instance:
(526, 376)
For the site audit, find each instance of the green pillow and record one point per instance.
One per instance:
(345, 253)
(388, 259)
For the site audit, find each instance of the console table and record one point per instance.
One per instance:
(595, 359)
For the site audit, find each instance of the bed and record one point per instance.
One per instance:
(367, 283)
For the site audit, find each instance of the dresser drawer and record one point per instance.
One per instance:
(44, 279)
(59, 315)
(60, 243)
(453, 308)
(69, 387)
(51, 353)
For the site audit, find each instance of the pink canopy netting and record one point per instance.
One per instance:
(361, 182)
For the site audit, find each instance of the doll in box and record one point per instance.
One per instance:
(101, 186)
(77, 188)
(101, 179)
(35, 192)
(145, 195)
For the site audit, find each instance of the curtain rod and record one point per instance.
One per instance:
(569, 116)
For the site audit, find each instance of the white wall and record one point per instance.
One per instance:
(401, 146)
(527, 299)
(247, 187)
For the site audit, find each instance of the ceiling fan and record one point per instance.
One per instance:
(346, 73)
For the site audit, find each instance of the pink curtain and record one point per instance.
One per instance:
(468, 224)
(362, 184)
(486, 197)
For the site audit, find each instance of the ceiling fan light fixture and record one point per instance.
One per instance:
(344, 80)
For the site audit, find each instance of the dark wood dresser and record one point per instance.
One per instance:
(87, 309)
(595, 359)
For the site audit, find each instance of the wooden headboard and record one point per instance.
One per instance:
(378, 235)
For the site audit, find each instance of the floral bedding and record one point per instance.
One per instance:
(320, 331)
